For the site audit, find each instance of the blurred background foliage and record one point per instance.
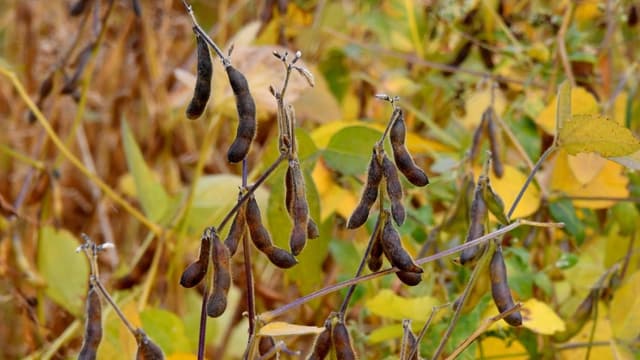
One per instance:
(122, 115)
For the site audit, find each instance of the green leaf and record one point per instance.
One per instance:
(349, 150)
(153, 197)
(594, 133)
(563, 211)
(166, 329)
(566, 261)
(65, 271)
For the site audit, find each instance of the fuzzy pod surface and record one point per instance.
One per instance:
(394, 190)
(217, 302)
(369, 194)
(195, 272)
(401, 155)
(500, 288)
(393, 250)
(246, 108)
(204, 75)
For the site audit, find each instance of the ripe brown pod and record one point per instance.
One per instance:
(92, 327)
(299, 209)
(369, 195)
(246, 109)
(394, 189)
(393, 250)
(477, 136)
(401, 155)
(265, 344)
(195, 272)
(322, 345)
(342, 342)
(477, 217)
(313, 232)
(375, 255)
(78, 7)
(204, 74)
(237, 230)
(281, 257)
(259, 234)
(147, 349)
(580, 317)
(494, 143)
(409, 278)
(500, 288)
(217, 302)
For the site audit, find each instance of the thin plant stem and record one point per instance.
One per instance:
(68, 334)
(424, 329)
(155, 228)
(37, 164)
(115, 307)
(200, 31)
(248, 269)
(480, 266)
(562, 49)
(266, 316)
(202, 332)
(529, 179)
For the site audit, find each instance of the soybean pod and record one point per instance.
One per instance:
(477, 218)
(369, 195)
(409, 278)
(322, 345)
(393, 250)
(299, 209)
(147, 349)
(237, 230)
(195, 272)
(401, 155)
(217, 302)
(342, 342)
(394, 190)
(500, 288)
(204, 74)
(477, 136)
(265, 344)
(494, 143)
(375, 255)
(246, 109)
(92, 327)
(259, 234)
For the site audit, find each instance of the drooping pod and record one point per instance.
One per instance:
(500, 288)
(299, 209)
(369, 194)
(147, 349)
(195, 272)
(265, 344)
(78, 7)
(290, 189)
(477, 217)
(217, 302)
(237, 230)
(204, 74)
(246, 109)
(393, 250)
(493, 201)
(401, 155)
(494, 143)
(322, 345)
(409, 278)
(394, 189)
(342, 342)
(583, 313)
(477, 136)
(92, 326)
(281, 257)
(313, 232)
(374, 262)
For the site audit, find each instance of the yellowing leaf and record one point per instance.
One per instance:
(281, 328)
(610, 182)
(586, 166)
(602, 333)
(582, 102)
(593, 133)
(586, 11)
(625, 309)
(390, 305)
(385, 332)
(619, 110)
(492, 346)
(540, 318)
(182, 356)
(478, 102)
(335, 199)
(508, 187)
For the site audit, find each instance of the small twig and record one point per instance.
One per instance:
(248, 269)
(529, 179)
(480, 330)
(202, 332)
(200, 31)
(424, 329)
(562, 49)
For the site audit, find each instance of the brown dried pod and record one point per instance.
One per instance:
(299, 209)
(195, 272)
(393, 250)
(137, 9)
(394, 189)
(342, 342)
(265, 344)
(259, 234)
(147, 349)
(401, 155)
(375, 255)
(281, 257)
(92, 327)
(500, 288)
(246, 109)
(477, 218)
(369, 195)
(237, 230)
(409, 278)
(71, 83)
(313, 232)
(217, 302)
(78, 7)
(579, 318)
(322, 345)
(477, 136)
(204, 74)
(494, 143)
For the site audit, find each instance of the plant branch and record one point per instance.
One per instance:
(200, 31)
(562, 49)
(424, 329)
(529, 179)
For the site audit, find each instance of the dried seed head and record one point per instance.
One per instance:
(312, 229)
(195, 272)
(265, 344)
(375, 255)
(259, 234)
(494, 143)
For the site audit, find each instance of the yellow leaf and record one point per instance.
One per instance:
(585, 166)
(182, 356)
(335, 199)
(385, 332)
(390, 305)
(478, 102)
(540, 318)
(508, 188)
(610, 182)
(281, 328)
(586, 11)
(582, 102)
(602, 333)
(492, 346)
(624, 311)
(632, 161)
(594, 133)
(619, 110)
(539, 51)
